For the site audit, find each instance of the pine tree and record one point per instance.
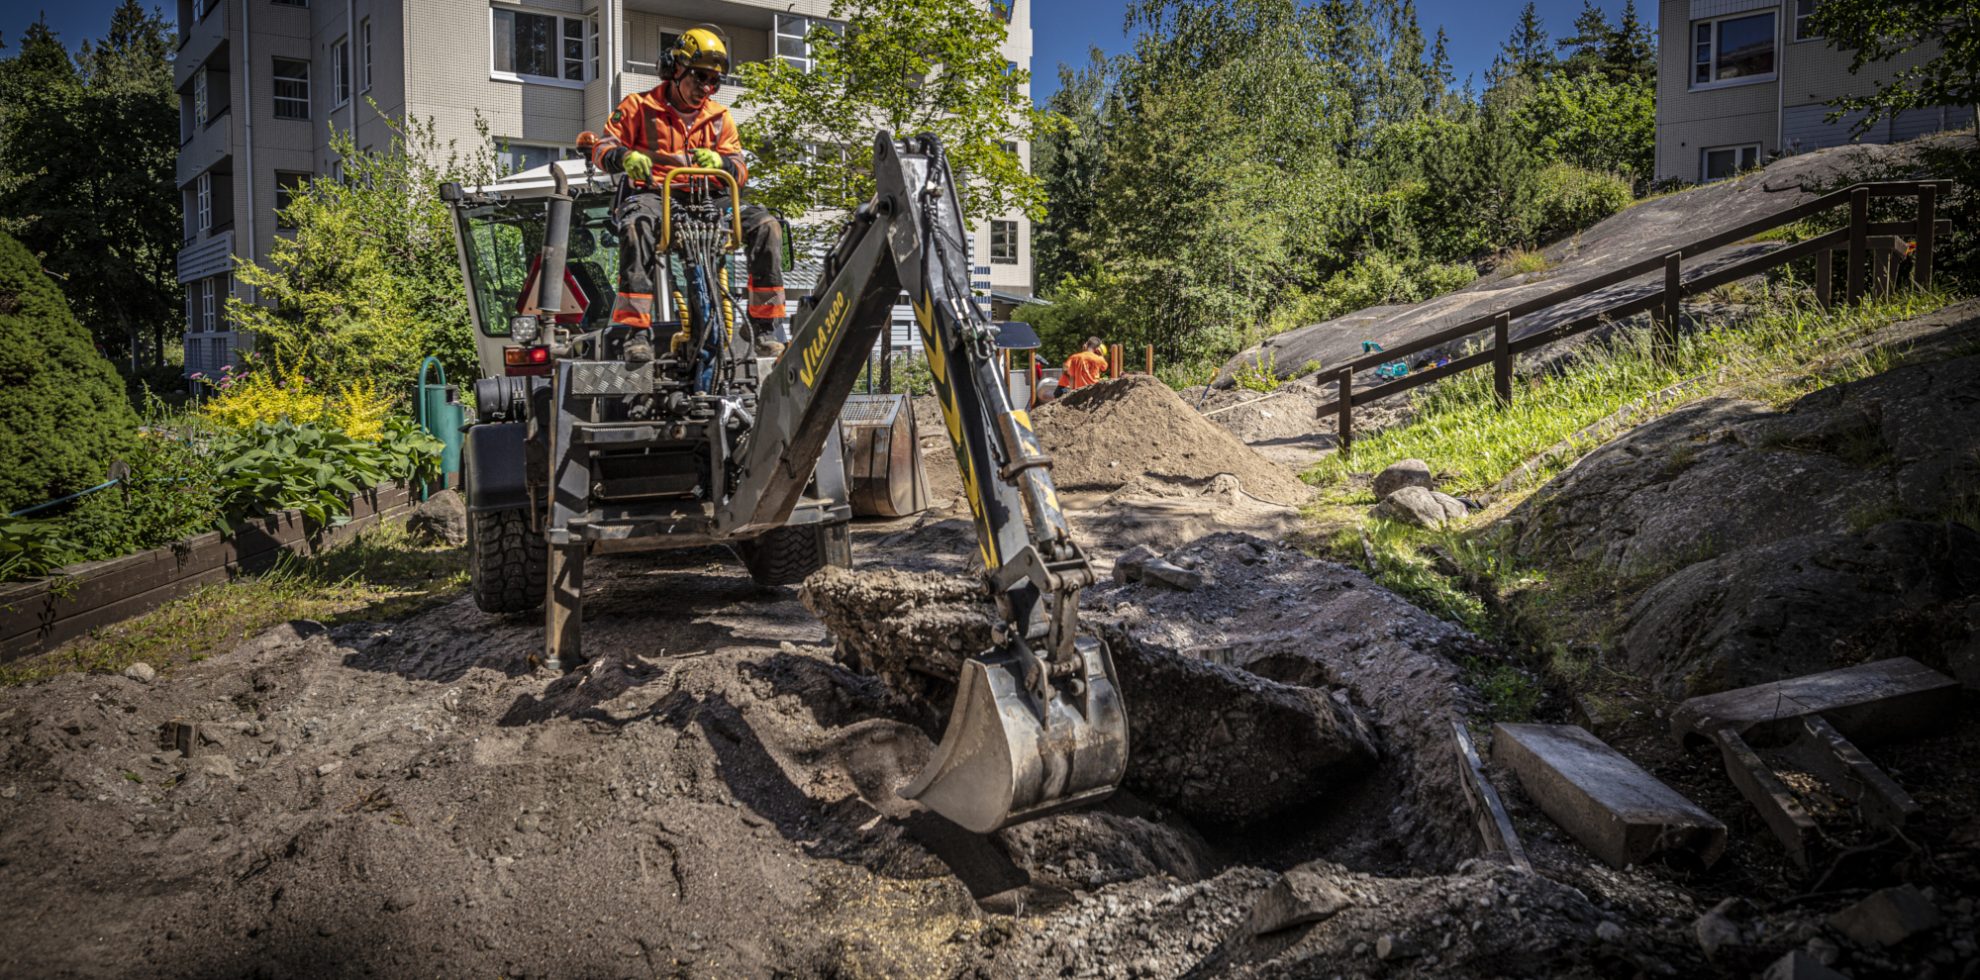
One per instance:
(1437, 74)
(1526, 54)
(1586, 50)
(1632, 53)
(1403, 85)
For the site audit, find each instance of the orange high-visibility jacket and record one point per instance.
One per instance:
(1082, 369)
(647, 122)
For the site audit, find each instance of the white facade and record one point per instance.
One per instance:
(1742, 81)
(261, 83)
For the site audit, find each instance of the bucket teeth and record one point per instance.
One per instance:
(1006, 759)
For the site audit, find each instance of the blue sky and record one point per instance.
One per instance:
(1061, 30)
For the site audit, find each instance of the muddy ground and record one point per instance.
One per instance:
(714, 795)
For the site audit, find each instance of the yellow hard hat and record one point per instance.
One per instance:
(700, 47)
(1101, 350)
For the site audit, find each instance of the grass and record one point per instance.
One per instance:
(1460, 426)
(381, 574)
(1521, 261)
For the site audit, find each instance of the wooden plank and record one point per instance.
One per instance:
(1825, 276)
(1921, 270)
(1345, 432)
(1502, 358)
(1664, 336)
(1758, 264)
(1859, 221)
(42, 614)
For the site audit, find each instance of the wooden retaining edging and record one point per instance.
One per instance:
(38, 616)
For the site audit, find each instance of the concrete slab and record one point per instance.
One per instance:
(1885, 700)
(1608, 803)
(1495, 829)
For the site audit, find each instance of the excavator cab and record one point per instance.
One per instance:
(575, 451)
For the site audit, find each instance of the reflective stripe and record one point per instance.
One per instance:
(766, 311)
(633, 309)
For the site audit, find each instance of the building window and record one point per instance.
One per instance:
(209, 305)
(591, 40)
(791, 31)
(1732, 47)
(1004, 242)
(340, 71)
(287, 184)
(364, 46)
(1002, 8)
(199, 97)
(291, 89)
(1720, 162)
(516, 157)
(1803, 10)
(538, 45)
(203, 206)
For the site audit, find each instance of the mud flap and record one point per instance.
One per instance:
(999, 765)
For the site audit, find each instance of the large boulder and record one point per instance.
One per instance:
(1403, 473)
(1901, 588)
(1424, 508)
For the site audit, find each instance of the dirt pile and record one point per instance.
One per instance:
(1218, 744)
(1116, 433)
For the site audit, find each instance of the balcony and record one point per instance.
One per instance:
(198, 41)
(209, 145)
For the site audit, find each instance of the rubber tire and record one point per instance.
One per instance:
(788, 555)
(508, 567)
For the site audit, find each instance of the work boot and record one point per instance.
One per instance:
(769, 348)
(638, 349)
(765, 334)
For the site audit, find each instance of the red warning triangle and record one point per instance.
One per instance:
(575, 299)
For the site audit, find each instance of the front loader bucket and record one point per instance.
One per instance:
(998, 764)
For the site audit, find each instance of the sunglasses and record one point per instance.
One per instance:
(708, 79)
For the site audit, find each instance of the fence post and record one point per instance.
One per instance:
(1664, 331)
(1346, 399)
(1921, 267)
(1114, 361)
(1151, 360)
(1502, 358)
(1825, 275)
(1859, 230)
(1031, 374)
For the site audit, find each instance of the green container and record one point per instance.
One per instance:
(439, 412)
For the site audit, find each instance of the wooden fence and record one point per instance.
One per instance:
(1862, 239)
(40, 615)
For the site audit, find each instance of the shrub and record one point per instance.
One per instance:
(1571, 198)
(273, 466)
(63, 412)
(1259, 374)
(1376, 279)
(356, 408)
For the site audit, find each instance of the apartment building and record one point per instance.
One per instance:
(262, 83)
(1742, 81)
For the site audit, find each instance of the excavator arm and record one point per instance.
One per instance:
(1038, 724)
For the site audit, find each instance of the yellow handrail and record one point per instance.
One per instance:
(667, 202)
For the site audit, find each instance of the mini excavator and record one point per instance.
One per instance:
(573, 451)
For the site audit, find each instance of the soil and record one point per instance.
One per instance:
(1110, 435)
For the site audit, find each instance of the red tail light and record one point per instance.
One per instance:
(520, 361)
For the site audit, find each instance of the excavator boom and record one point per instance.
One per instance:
(1038, 722)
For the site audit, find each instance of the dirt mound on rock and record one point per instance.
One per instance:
(1109, 435)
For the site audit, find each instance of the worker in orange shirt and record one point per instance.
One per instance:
(679, 124)
(1085, 367)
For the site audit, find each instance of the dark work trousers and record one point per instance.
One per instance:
(640, 269)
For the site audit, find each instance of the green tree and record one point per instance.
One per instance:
(1877, 31)
(88, 148)
(1594, 122)
(1527, 53)
(369, 284)
(63, 414)
(1068, 162)
(906, 66)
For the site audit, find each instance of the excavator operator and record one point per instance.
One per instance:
(679, 124)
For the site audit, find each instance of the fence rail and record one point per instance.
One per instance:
(1863, 241)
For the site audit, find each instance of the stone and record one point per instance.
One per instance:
(1303, 895)
(1424, 508)
(1611, 805)
(1716, 929)
(1163, 572)
(1798, 965)
(1886, 700)
(440, 519)
(1394, 947)
(1609, 932)
(1400, 474)
(1127, 567)
(141, 672)
(218, 766)
(329, 767)
(1888, 917)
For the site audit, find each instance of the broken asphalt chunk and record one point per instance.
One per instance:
(1887, 917)
(1303, 895)
(1611, 805)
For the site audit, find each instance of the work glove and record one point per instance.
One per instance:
(702, 156)
(638, 166)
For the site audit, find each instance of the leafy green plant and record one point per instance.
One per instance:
(1520, 262)
(281, 465)
(1259, 374)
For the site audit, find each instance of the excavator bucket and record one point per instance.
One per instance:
(1005, 758)
(883, 456)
